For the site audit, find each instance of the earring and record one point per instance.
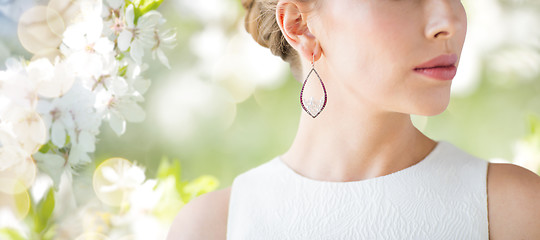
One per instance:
(312, 107)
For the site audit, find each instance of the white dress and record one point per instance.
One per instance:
(441, 197)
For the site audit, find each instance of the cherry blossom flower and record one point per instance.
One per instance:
(22, 130)
(16, 87)
(165, 40)
(119, 109)
(87, 51)
(72, 115)
(52, 80)
(51, 108)
(113, 16)
(122, 177)
(140, 36)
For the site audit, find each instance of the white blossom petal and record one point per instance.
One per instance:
(115, 4)
(40, 70)
(162, 58)
(20, 90)
(78, 156)
(130, 16)
(135, 175)
(137, 51)
(84, 158)
(104, 46)
(51, 164)
(67, 120)
(59, 84)
(10, 156)
(74, 37)
(58, 134)
(85, 64)
(110, 174)
(30, 130)
(132, 111)
(124, 40)
(118, 86)
(117, 123)
(141, 85)
(146, 196)
(94, 27)
(87, 141)
(108, 188)
(22, 171)
(149, 20)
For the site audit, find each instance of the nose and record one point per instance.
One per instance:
(444, 18)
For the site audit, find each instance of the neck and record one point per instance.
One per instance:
(351, 141)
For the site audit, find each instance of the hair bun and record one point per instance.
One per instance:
(247, 4)
(261, 23)
(252, 22)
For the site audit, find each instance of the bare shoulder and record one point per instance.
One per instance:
(204, 217)
(513, 202)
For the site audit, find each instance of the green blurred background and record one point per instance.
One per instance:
(228, 105)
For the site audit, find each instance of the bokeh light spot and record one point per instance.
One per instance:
(40, 28)
(114, 180)
(14, 197)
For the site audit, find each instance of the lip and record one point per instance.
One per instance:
(441, 68)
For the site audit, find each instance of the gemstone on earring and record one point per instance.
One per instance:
(312, 107)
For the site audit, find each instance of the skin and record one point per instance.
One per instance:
(365, 52)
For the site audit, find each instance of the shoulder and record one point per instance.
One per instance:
(204, 217)
(513, 202)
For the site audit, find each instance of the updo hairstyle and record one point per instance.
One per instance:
(261, 23)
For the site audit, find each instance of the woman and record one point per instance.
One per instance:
(358, 168)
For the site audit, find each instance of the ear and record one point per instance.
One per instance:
(292, 20)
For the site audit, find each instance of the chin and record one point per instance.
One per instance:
(433, 103)
(433, 112)
(431, 108)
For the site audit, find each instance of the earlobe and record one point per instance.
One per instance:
(317, 52)
(311, 53)
(293, 25)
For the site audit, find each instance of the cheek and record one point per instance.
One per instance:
(372, 56)
(462, 30)
(367, 49)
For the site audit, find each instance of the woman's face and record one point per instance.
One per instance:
(371, 49)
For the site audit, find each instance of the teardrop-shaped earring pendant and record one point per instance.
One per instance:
(312, 107)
